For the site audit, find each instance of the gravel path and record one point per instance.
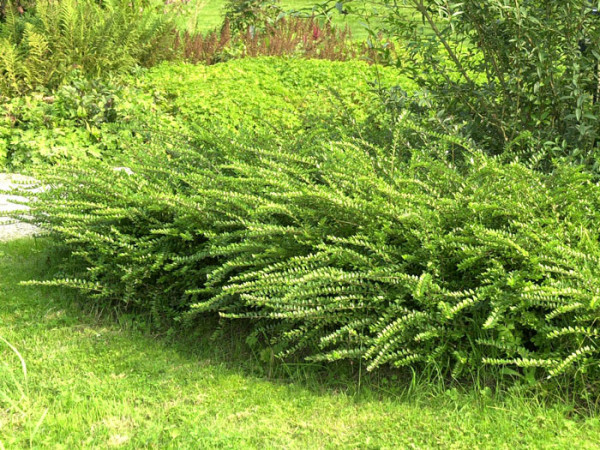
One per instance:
(9, 229)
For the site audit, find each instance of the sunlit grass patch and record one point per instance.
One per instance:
(94, 381)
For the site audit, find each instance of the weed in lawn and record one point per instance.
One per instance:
(14, 395)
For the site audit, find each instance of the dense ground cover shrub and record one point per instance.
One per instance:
(431, 254)
(285, 100)
(81, 119)
(38, 49)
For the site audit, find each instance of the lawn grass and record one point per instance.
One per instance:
(205, 15)
(97, 382)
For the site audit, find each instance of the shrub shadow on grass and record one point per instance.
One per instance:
(209, 340)
(97, 378)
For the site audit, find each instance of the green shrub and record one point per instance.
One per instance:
(40, 48)
(433, 256)
(272, 99)
(244, 14)
(518, 76)
(20, 5)
(284, 101)
(82, 119)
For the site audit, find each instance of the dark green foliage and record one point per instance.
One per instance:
(520, 77)
(343, 250)
(21, 6)
(242, 14)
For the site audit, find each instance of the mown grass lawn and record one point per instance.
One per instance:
(206, 15)
(96, 382)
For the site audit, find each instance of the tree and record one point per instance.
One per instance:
(520, 76)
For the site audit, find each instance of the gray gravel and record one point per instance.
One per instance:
(8, 228)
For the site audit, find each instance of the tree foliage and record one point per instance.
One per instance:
(519, 76)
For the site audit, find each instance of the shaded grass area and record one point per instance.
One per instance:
(97, 381)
